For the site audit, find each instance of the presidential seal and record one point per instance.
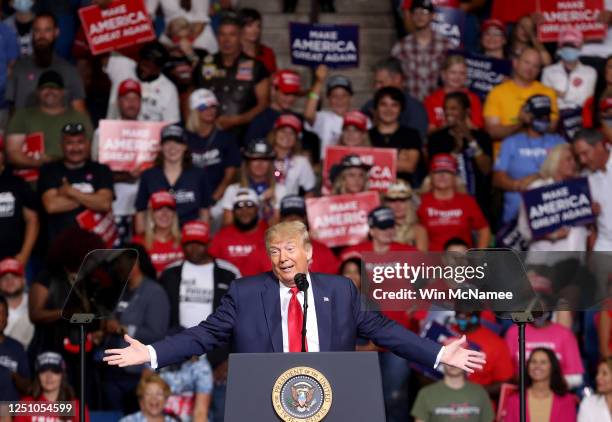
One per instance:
(301, 394)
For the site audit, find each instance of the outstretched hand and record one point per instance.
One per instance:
(135, 354)
(466, 359)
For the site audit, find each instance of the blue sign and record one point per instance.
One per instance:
(570, 121)
(484, 72)
(563, 204)
(336, 46)
(509, 236)
(450, 23)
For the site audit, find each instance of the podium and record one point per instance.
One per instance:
(291, 387)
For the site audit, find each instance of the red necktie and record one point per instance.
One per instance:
(295, 318)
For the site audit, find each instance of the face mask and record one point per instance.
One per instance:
(569, 54)
(607, 121)
(23, 5)
(540, 126)
(464, 324)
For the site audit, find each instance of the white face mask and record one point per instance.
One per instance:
(23, 5)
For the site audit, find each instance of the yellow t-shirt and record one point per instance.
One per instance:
(506, 99)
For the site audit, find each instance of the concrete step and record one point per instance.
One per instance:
(303, 6)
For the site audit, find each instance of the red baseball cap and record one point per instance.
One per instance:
(11, 265)
(605, 104)
(357, 119)
(195, 231)
(287, 81)
(129, 85)
(162, 199)
(571, 36)
(493, 23)
(288, 120)
(443, 162)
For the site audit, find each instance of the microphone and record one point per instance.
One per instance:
(301, 282)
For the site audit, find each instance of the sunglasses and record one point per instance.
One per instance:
(73, 128)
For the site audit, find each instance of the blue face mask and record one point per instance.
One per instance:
(569, 54)
(464, 324)
(23, 5)
(540, 125)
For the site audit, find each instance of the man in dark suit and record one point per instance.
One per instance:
(263, 314)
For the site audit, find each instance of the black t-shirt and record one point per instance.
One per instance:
(190, 190)
(403, 138)
(89, 178)
(15, 194)
(215, 153)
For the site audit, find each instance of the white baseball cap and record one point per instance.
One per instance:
(201, 99)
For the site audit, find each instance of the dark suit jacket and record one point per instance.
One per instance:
(249, 319)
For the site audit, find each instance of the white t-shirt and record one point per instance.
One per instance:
(196, 293)
(578, 85)
(600, 183)
(594, 408)
(299, 174)
(601, 48)
(19, 326)
(160, 100)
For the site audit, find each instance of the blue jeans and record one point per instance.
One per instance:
(217, 405)
(395, 373)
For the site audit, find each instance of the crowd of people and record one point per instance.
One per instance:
(239, 151)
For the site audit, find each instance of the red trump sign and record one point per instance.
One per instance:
(126, 145)
(123, 23)
(341, 220)
(33, 147)
(383, 162)
(580, 14)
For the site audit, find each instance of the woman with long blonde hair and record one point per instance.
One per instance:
(162, 237)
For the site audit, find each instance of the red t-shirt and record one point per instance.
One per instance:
(50, 418)
(587, 113)
(434, 105)
(323, 260)
(499, 364)
(267, 57)
(445, 219)
(162, 254)
(511, 11)
(235, 246)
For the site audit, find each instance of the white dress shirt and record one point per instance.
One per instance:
(600, 182)
(312, 330)
(578, 85)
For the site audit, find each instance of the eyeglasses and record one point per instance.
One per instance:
(73, 128)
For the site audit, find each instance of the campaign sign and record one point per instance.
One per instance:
(336, 46)
(33, 147)
(122, 24)
(484, 73)
(570, 121)
(558, 205)
(101, 224)
(341, 220)
(580, 14)
(509, 236)
(383, 162)
(126, 145)
(450, 23)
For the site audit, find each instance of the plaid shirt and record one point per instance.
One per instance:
(421, 64)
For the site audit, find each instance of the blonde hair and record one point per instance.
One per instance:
(152, 378)
(551, 164)
(452, 60)
(149, 235)
(339, 187)
(297, 147)
(288, 229)
(404, 230)
(193, 121)
(176, 25)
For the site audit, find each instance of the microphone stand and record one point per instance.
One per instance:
(304, 320)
